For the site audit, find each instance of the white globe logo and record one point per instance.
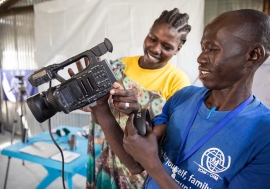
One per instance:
(215, 160)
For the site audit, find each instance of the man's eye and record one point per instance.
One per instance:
(209, 49)
(213, 49)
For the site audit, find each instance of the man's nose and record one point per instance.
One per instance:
(202, 58)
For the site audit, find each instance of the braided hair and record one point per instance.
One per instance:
(177, 20)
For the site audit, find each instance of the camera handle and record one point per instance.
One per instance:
(48, 73)
(91, 54)
(142, 116)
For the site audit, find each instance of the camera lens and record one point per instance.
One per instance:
(40, 108)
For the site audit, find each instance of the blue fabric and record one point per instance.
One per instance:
(237, 156)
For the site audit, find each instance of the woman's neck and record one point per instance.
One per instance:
(143, 65)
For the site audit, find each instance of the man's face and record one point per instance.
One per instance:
(224, 54)
(160, 45)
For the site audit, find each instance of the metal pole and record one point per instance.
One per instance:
(5, 185)
(20, 99)
(1, 98)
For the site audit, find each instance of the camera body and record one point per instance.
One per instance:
(81, 90)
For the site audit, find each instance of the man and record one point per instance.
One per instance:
(217, 136)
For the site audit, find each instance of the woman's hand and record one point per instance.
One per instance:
(80, 68)
(124, 100)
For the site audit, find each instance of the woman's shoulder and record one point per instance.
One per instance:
(177, 73)
(129, 59)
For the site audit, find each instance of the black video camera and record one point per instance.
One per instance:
(81, 90)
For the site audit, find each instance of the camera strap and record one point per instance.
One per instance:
(211, 133)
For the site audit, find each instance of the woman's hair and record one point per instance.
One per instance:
(176, 20)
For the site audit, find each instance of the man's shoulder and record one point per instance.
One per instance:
(191, 91)
(262, 111)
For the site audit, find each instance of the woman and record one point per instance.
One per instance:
(154, 80)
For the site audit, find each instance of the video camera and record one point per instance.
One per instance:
(82, 89)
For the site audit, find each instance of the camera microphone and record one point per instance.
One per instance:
(41, 76)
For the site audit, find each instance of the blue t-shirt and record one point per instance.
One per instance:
(237, 156)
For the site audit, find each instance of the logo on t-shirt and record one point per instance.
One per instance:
(213, 162)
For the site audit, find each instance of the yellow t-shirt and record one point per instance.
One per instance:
(166, 81)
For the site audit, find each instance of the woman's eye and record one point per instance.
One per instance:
(204, 49)
(152, 39)
(166, 48)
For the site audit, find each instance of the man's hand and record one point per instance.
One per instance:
(142, 148)
(122, 98)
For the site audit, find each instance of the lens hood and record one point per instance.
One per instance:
(39, 108)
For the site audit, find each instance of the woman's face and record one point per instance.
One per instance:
(162, 42)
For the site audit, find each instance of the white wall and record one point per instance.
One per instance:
(65, 28)
(261, 83)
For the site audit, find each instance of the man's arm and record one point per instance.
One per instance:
(114, 135)
(145, 151)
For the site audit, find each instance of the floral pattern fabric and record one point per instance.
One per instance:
(104, 170)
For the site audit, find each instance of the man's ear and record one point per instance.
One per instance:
(256, 55)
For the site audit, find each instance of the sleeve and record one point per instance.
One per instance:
(256, 174)
(168, 108)
(163, 118)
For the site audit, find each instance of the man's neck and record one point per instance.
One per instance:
(226, 100)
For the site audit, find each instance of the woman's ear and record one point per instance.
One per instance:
(256, 55)
(178, 49)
